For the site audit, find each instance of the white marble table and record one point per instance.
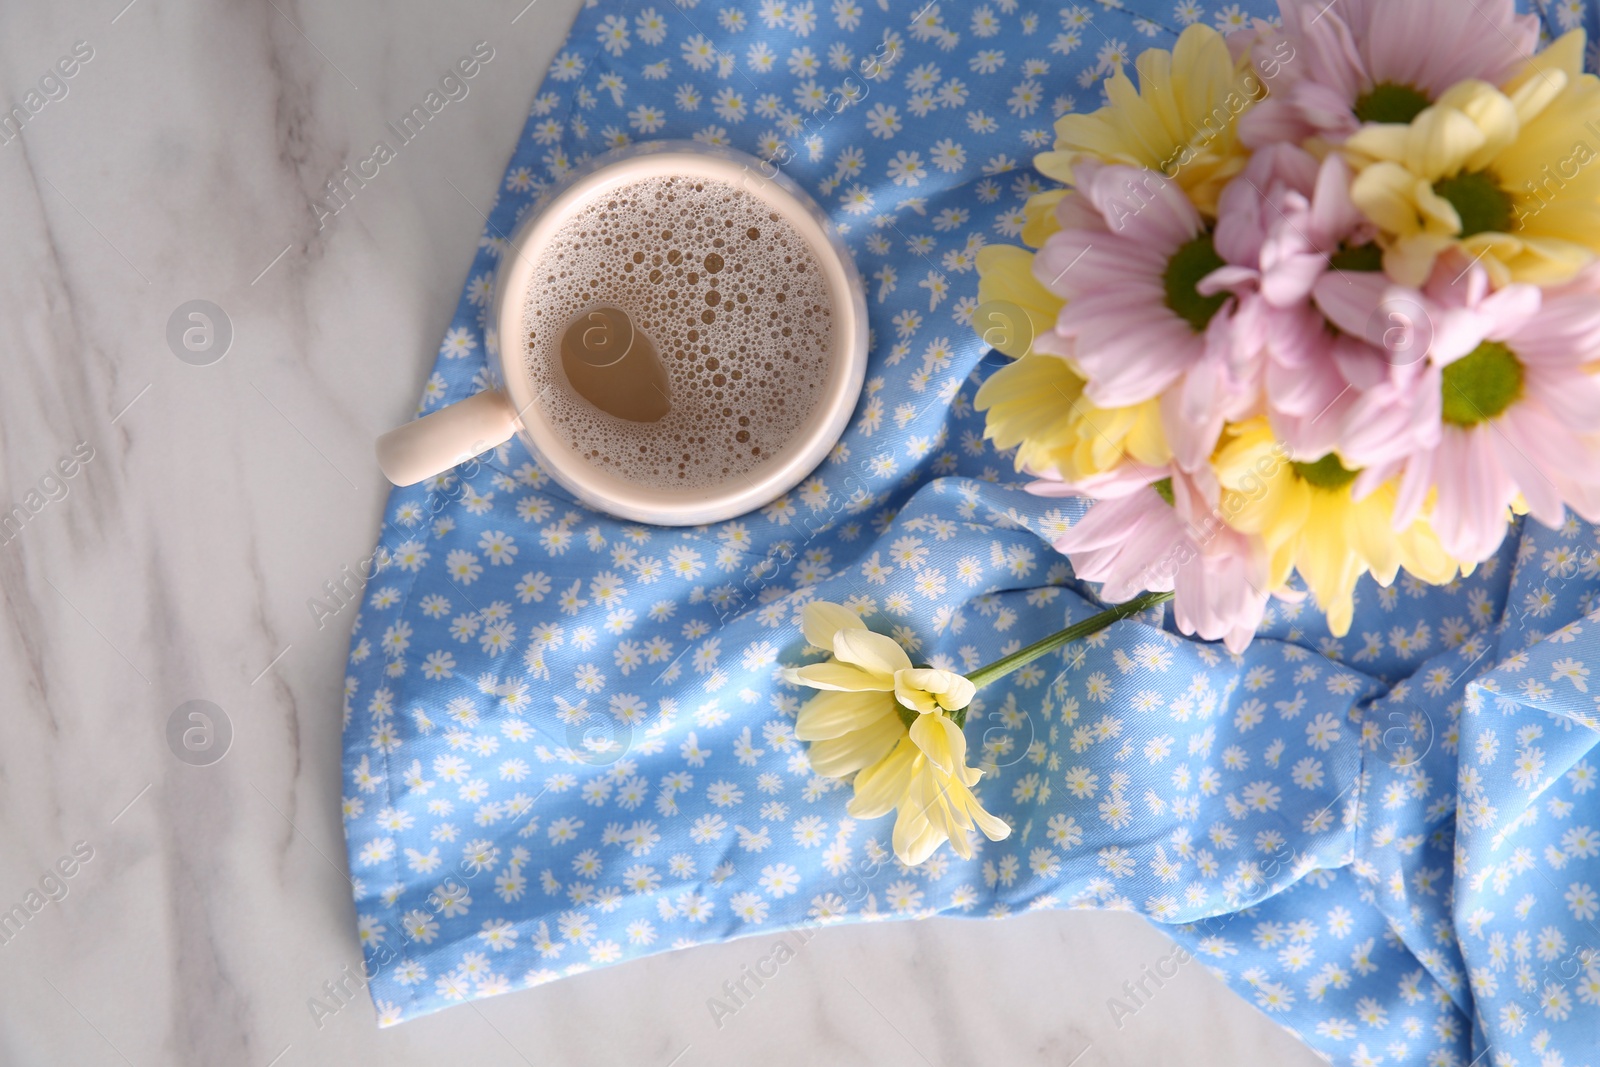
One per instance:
(176, 564)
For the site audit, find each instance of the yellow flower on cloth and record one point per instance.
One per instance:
(1506, 175)
(1181, 120)
(889, 722)
(1308, 518)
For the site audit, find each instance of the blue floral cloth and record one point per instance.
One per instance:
(567, 745)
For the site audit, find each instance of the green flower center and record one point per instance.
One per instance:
(1390, 102)
(1481, 384)
(1325, 473)
(1484, 207)
(1164, 487)
(1191, 262)
(1367, 258)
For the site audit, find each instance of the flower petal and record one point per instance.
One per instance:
(916, 837)
(993, 827)
(871, 652)
(831, 674)
(941, 740)
(833, 714)
(950, 690)
(913, 698)
(924, 822)
(880, 786)
(839, 756)
(820, 620)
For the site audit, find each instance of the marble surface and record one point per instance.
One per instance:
(179, 162)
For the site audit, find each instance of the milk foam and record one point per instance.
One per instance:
(734, 301)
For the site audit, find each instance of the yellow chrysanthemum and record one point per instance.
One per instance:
(1039, 217)
(890, 723)
(1308, 520)
(1005, 277)
(1181, 120)
(1036, 405)
(1506, 175)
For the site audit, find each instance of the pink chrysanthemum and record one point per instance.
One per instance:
(1388, 407)
(1129, 261)
(1519, 409)
(1334, 66)
(1291, 220)
(1168, 536)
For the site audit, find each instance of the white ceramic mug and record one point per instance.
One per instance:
(433, 444)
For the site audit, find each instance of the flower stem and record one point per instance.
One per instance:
(1092, 625)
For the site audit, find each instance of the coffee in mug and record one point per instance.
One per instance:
(682, 338)
(675, 331)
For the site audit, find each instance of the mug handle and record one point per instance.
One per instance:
(434, 443)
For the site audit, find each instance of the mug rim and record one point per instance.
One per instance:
(807, 448)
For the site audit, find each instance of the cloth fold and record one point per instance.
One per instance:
(567, 743)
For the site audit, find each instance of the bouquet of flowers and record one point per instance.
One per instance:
(1318, 299)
